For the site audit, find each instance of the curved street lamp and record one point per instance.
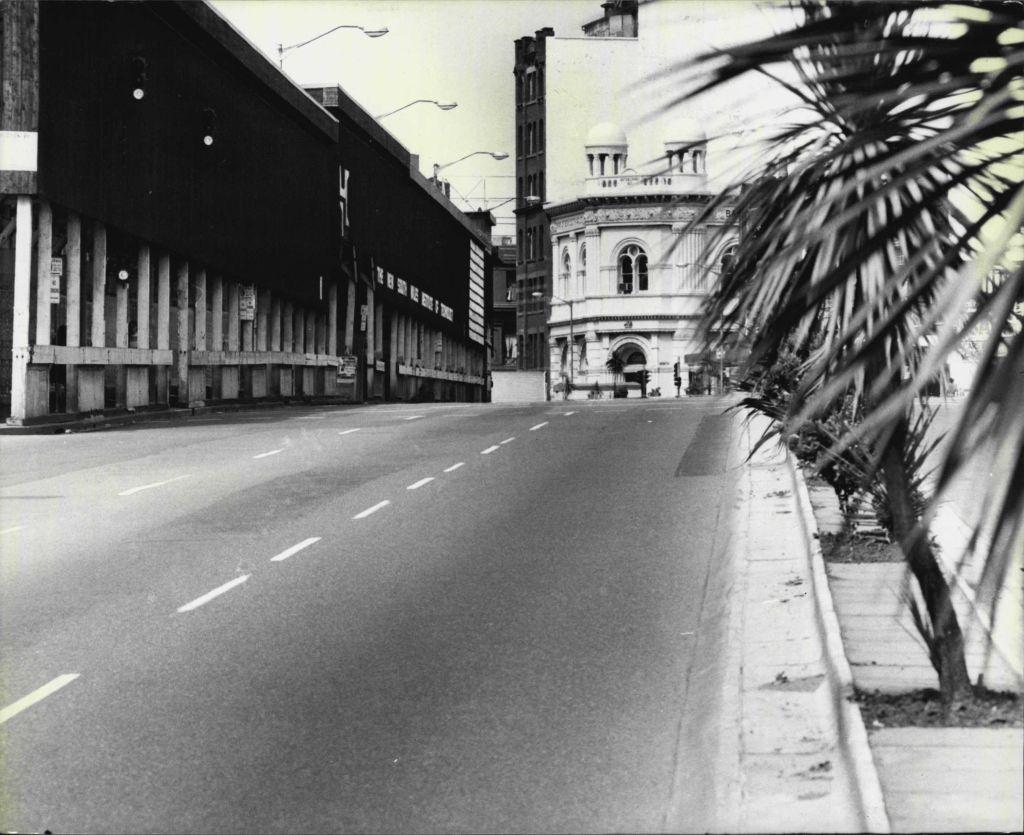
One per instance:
(370, 33)
(572, 336)
(496, 154)
(440, 106)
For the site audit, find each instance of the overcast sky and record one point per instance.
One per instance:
(450, 50)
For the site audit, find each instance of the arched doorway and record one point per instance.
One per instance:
(630, 360)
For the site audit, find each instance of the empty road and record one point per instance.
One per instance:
(410, 618)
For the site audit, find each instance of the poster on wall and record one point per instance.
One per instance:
(346, 368)
(247, 303)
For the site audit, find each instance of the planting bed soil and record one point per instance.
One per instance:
(922, 708)
(851, 547)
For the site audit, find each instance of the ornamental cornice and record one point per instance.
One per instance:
(612, 215)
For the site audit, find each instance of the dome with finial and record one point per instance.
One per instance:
(685, 131)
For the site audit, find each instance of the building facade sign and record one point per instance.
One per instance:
(247, 303)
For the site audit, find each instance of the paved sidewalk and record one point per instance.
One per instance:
(802, 758)
(933, 779)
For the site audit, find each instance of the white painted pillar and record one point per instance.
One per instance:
(262, 320)
(44, 252)
(121, 314)
(73, 315)
(20, 406)
(300, 329)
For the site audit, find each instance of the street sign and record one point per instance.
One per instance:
(720, 353)
(362, 317)
(247, 303)
(378, 365)
(56, 271)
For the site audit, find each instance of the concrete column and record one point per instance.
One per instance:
(44, 252)
(332, 318)
(299, 331)
(288, 328)
(137, 376)
(371, 327)
(234, 323)
(275, 323)
(217, 313)
(142, 270)
(73, 317)
(402, 347)
(121, 315)
(163, 302)
(318, 330)
(229, 375)
(99, 285)
(200, 307)
(29, 394)
(350, 317)
(393, 358)
(262, 320)
(309, 372)
(181, 362)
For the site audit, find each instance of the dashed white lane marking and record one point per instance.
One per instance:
(26, 702)
(134, 490)
(217, 592)
(266, 454)
(348, 431)
(417, 485)
(311, 417)
(373, 509)
(508, 440)
(413, 417)
(538, 426)
(569, 413)
(12, 529)
(454, 467)
(489, 450)
(295, 549)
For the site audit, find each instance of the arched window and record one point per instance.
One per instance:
(566, 272)
(632, 270)
(581, 271)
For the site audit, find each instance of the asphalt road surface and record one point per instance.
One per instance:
(401, 618)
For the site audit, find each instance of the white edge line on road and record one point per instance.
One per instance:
(26, 702)
(348, 431)
(373, 509)
(509, 440)
(413, 417)
(489, 450)
(454, 467)
(134, 490)
(417, 485)
(569, 413)
(538, 426)
(310, 417)
(12, 529)
(217, 592)
(267, 454)
(295, 549)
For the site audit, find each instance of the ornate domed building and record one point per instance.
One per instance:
(626, 287)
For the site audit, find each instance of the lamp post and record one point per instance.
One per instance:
(440, 106)
(496, 154)
(572, 335)
(370, 33)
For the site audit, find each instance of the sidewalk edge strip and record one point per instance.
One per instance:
(853, 737)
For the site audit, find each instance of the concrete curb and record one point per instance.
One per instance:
(113, 419)
(853, 735)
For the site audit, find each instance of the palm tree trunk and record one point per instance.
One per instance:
(947, 644)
